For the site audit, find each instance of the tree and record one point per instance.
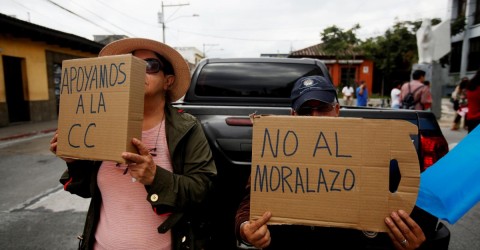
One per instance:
(395, 52)
(340, 44)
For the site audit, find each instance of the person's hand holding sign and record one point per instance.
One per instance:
(53, 148)
(142, 167)
(404, 232)
(256, 232)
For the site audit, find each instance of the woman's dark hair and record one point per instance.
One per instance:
(463, 83)
(167, 66)
(474, 82)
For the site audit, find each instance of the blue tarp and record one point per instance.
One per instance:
(451, 187)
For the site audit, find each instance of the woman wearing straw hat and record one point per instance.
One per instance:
(167, 181)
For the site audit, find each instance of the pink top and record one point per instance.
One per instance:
(127, 220)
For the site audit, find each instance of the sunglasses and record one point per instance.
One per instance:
(308, 110)
(153, 65)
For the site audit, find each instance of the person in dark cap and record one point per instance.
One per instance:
(316, 96)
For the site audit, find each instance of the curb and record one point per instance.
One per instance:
(28, 134)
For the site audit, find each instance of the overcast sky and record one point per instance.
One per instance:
(224, 28)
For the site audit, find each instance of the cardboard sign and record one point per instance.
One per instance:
(101, 107)
(332, 172)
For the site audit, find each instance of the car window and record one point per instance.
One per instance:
(251, 79)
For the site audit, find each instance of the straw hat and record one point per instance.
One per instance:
(180, 66)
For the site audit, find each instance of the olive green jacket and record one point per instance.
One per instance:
(183, 193)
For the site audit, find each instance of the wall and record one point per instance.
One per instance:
(38, 93)
(361, 75)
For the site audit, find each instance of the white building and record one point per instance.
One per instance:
(465, 53)
(192, 55)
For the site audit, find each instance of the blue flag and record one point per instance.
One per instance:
(451, 187)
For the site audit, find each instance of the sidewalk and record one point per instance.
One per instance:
(28, 129)
(448, 114)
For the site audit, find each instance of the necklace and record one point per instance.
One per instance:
(153, 151)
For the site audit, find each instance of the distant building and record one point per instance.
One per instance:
(342, 72)
(30, 68)
(106, 39)
(465, 53)
(192, 55)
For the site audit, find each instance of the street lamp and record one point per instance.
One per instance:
(161, 17)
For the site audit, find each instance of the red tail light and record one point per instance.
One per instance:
(433, 148)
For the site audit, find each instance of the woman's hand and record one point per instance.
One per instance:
(141, 166)
(404, 232)
(53, 148)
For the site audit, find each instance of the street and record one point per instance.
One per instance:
(38, 214)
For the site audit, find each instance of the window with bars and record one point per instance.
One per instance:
(456, 57)
(476, 19)
(474, 54)
(347, 76)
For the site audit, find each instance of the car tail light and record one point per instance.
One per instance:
(433, 148)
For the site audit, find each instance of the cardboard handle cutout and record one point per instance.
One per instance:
(324, 171)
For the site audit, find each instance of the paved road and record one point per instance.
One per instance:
(35, 211)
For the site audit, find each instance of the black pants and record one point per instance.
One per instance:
(472, 124)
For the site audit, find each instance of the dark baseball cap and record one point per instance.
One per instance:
(312, 88)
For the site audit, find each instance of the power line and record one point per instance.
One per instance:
(92, 14)
(241, 39)
(40, 13)
(123, 13)
(77, 15)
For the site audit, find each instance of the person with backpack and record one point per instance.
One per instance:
(414, 94)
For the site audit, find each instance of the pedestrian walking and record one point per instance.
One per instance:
(473, 99)
(460, 103)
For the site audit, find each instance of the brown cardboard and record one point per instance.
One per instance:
(101, 107)
(348, 147)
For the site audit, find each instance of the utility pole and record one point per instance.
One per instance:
(161, 16)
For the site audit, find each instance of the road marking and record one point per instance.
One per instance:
(56, 200)
(4, 144)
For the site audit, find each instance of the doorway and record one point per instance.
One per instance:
(15, 89)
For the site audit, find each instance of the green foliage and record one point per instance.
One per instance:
(341, 44)
(393, 53)
(396, 50)
(338, 42)
(458, 25)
